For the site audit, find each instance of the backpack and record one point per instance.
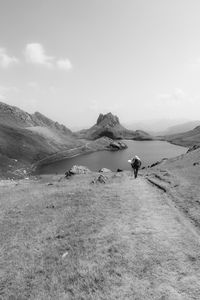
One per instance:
(136, 163)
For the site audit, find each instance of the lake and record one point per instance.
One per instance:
(148, 151)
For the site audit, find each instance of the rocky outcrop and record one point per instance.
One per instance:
(118, 145)
(108, 120)
(109, 126)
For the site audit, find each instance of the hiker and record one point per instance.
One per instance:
(135, 164)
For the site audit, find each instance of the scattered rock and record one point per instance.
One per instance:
(65, 254)
(192, 148)
(101, 179)
(195, 163)
(157, 163)
(104, 170)
(50, 183)
(50, 206)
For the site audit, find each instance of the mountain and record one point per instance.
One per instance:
(180, 128)
(28, 137)
(156, 127)
(14, 116)
(109, 125)
(188, 138)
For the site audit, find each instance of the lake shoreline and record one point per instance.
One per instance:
(150, 152)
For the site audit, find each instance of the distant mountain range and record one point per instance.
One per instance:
(181, 127)
(188, 138)
(109, 125)
(27, 138)
(163, 126)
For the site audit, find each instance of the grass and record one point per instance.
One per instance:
(39, 225)
(74, 240)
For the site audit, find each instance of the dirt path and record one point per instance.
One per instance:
(162, 247)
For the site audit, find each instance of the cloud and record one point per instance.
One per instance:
(35, 54)
(64, 64)
(6, 60)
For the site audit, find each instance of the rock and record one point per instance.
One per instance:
(77, 170)
(104, 170)
(101, 178)
(192, 148)
(119, 170)
(117, 145)
(65, 254)
(108, 119)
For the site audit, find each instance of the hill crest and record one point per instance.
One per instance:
(16, 117)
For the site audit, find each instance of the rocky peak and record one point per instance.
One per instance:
(108, 119)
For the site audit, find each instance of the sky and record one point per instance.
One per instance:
(74, 59)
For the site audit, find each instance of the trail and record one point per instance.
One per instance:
(162, 246)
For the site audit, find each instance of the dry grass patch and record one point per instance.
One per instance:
(40, 223)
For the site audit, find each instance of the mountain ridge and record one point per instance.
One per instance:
(14, 116)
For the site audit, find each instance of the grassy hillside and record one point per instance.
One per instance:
(180, 128)
(188, 138)
(29, 146)
(180, 176)
(28, 138)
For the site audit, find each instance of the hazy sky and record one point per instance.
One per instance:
(72, 59)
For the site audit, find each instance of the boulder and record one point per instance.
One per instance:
(104, 170)
(117, 145)
(101, 179)
(77, 170)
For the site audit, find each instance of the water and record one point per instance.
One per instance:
(148, 151)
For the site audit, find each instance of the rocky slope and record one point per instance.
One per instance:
(14, 116)
(109, 125)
